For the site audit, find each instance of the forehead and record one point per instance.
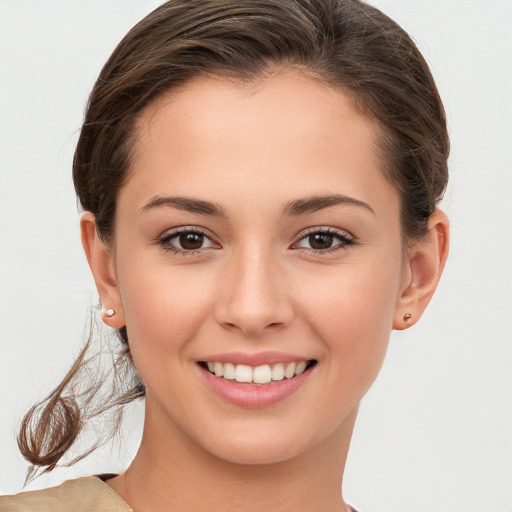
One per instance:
(285, 105)
(285, 133)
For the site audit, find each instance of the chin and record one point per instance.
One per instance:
(254, 454)
(264, 444)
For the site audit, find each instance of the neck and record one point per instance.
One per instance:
(179, 473)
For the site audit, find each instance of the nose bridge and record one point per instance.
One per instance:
(254, 295)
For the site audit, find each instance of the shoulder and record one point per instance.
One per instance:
(87, 494)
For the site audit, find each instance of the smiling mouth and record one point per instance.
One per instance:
(263, 374)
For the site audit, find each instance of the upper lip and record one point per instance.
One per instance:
(254, 358)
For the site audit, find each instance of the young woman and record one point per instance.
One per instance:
(260, 183)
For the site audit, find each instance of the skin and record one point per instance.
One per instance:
(254, 285)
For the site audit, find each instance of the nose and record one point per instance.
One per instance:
(254, 296)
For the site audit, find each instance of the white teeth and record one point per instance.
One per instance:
(229, 371)
(218, 369)
(300, 367)
(290, 371)
(243, 373)
(260, 374)
(278, 372)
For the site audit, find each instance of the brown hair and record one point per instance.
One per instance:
(345, 43)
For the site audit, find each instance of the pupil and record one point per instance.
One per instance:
(320, 241)
(191, 241)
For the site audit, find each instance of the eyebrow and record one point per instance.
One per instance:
(315, 203)
(293, 208)
(188, 204)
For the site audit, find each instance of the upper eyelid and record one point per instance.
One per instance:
(324, 229)
(185, 229)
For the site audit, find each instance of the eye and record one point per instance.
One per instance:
(324, 240)
(186, 241)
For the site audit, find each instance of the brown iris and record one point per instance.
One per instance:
(321, 240)
(191, 241)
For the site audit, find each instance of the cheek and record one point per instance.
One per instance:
(164, 306)
(352, 311)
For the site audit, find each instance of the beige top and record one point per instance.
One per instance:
(87, 494)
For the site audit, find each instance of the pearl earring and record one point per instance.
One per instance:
(110, 312)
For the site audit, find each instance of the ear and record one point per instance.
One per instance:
(423, 265)
(101, 262)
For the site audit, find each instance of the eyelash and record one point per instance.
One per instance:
(165, 241)
(344, 240)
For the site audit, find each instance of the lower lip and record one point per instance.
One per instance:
(254, 396)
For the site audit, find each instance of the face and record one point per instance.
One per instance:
(256, 236)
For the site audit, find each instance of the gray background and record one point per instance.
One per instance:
(435, 431)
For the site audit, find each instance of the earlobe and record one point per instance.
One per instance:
(101, 262)
(424, 264)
